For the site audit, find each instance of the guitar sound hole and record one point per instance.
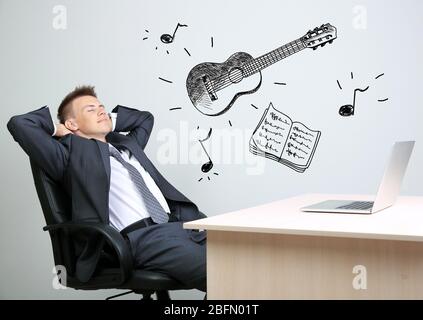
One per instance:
(236, 75)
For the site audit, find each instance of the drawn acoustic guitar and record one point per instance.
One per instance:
(214, 87)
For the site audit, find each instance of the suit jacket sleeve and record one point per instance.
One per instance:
(138, 123)
(33, 131)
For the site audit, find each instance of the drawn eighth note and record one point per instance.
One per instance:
(348, 109)
(167, 38)
(206, 167)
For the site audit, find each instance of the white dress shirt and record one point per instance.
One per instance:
(126, 204)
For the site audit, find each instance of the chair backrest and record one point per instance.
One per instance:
(56, 206)
(54, 201)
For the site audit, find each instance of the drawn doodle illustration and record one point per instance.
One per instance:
(213, 88)
(278, 138)
(167, 38)
(206, 167)
(209, 165)
(348, 110)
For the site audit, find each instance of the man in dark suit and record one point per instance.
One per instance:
(110, 179)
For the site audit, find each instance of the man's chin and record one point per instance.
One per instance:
(93, 135)
(105, 130)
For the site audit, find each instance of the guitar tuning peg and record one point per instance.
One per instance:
(314, 48)
(323, 44)
(330, 41)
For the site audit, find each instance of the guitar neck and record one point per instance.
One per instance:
(272, 57)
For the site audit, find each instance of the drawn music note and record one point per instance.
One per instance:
(167, 38)
(348, 109)
(206, 167)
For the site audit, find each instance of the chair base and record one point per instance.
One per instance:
(146, 295)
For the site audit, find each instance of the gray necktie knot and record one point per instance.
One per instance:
(116, 154)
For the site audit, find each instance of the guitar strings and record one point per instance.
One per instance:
(272, 57)
(275, 53)
(262, 61)
(286, 48)
(220, 84)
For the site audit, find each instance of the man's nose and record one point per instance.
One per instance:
(102, 111)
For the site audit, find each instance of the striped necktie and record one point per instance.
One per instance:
(156, 211)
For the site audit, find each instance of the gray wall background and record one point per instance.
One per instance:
(102, 45)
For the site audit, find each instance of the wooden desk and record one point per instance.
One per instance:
(275, 251)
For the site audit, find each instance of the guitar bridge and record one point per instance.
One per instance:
(209, 87)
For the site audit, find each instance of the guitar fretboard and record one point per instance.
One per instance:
(272, 57)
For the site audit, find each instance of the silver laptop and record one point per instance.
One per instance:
(388, 189)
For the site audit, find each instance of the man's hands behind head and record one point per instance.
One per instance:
(61, 130)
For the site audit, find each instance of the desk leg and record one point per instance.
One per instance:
(242, 265)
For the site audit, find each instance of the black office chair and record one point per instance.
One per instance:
(115, 268)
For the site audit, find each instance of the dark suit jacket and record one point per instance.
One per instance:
(83, 168)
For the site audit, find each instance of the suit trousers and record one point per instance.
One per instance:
(170, 249)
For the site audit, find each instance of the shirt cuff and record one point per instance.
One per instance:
(55, 130)
(113, 116)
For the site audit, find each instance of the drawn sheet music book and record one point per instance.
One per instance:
(278, 138)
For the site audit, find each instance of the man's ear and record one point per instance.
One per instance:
(71, 124)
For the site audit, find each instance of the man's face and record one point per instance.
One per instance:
(90, 117)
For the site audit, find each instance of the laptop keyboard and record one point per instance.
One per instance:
(357, 205)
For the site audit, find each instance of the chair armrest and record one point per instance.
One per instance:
(201, 215)
(116, 240)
